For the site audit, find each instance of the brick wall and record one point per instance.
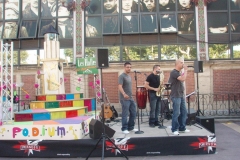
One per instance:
(226, 81)
(28, 87)
(110, 83)
(67, 82)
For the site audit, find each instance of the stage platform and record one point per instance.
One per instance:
(153, 141)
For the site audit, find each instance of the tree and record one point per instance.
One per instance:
(69, 53)
(218, 51)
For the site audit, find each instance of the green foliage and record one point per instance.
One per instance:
(69, 53)
(219, 51)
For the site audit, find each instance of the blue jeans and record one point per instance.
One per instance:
(179, 114)
(128, 108)
(155, 106)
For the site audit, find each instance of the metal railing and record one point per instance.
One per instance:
(216, 104)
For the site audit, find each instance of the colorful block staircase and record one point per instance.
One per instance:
(52, 117)
(59, 106)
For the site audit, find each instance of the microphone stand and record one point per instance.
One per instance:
(139, 131)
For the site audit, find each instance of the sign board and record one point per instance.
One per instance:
(86, 65)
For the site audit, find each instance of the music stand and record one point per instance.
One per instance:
(167, 87)
(104, 135)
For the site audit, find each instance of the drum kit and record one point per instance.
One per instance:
(142, 96)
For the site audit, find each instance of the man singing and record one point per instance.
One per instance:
(177, 96)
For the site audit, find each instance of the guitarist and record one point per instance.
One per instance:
(126, 100)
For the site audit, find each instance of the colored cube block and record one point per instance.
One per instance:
(88, 103)
(37, 105)
(41, 98)
(71, 114)
(51, 98)
(78, 103)
(61, 97)
(23, 117)
(69, 96)
(41, 116)
(58, 115)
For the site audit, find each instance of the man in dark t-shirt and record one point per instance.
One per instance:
(177, 95)
(152, 84)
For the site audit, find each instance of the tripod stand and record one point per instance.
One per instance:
(104, 136)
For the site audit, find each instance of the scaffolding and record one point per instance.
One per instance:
(6, 108)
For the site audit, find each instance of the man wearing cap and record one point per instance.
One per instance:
(11, 28)
(65, 25)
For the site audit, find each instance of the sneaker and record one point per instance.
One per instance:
(185, 131)
(133, 130)
(152, 125)
(175, 133)
(125, 132)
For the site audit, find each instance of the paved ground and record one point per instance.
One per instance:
(228, 148)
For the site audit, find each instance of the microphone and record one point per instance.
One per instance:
(137, 72)
(190, 66)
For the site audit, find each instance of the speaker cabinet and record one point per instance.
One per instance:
(206, 122)
(198, 66)
(102, 58)
(191, 117)
(96, 129)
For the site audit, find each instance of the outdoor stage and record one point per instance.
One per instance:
(153, 141)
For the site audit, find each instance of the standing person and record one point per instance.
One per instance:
(177, 96)
(126, 100)
(152, 83)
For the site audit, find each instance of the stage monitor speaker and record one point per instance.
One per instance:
(191, 117)
(96, 129)
(198, 66)
(102, 58)
(206, 122)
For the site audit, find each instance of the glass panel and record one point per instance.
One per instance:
(94, 7)
(114, 53)
(131, 53)
(169, 52)
(90, 51)
(235, 22)
(185, 5)
(149, 23)
(186, 23)
(67, 54)
(45, 23)
(166, 5)
(111, 24)
(65, 27)
(172, 52)
(137, 53)
(130, 24)
(11, 10)
(189, 52)
(217, 5)
(1, 29)
(93, 26)
(235, 4)
(1, 10)
(219, 51)
(11, 30)
(15, 57)
(31, 28)
(236, 51)
(30, 9)
(63, 11)
(46, 6)
(151, 5)
(28, 57)
(41, 55)
(217, 25)
(110, 6)
(129, 6)
(168, 23)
